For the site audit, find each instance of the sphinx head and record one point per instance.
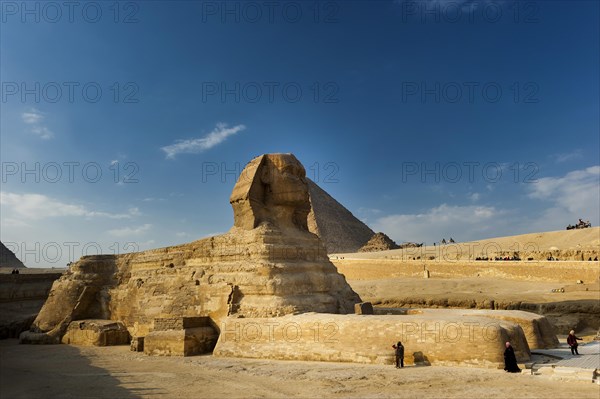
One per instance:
(272, 189)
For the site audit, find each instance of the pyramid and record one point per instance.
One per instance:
(379, 242)
(9, 259)
(339, 230)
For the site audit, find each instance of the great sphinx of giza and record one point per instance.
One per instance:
(267, 265)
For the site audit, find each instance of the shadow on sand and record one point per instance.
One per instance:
(60, 371)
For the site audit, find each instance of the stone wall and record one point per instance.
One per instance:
(180, 323)
(473, 340)
(21, 298)
(16, 287)
(372, 269)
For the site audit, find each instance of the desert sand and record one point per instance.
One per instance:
(66, 371)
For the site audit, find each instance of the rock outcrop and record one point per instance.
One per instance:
(338, 228)
(379, 242)
(267, 265)
(8, 259)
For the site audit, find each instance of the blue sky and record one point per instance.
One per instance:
(123, 127)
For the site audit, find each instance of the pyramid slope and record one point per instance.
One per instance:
(9, 259)
(337, 227)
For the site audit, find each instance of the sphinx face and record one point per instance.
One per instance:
(286, 180)
(272, 188)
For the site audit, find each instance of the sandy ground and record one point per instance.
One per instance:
(64, 371)
(464, 288)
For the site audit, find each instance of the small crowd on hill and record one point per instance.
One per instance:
(580, 225)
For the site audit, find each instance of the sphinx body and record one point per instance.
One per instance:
(267, 265)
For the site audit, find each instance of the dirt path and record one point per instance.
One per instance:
(63, 371)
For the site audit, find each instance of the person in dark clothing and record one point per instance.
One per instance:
(399, 354)
(572, 341)
(510, 360)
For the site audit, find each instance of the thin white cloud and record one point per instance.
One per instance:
(568, 156)
(474, 197)
(43, 132)
(145, 245)
(217, 233)
(194, 146)
(38, 206)
(459, 222)
(366, 214)
(34, 118)
(10, 222)
(368, 211)
(574, 195)
(130, 231)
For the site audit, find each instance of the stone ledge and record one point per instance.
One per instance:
(96, 333)
(185, 342)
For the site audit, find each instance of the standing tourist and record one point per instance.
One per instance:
(510, 360)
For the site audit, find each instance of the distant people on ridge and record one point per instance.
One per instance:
(580, 225)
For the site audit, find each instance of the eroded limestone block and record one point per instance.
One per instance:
(428, 339)
(186, 342)
(96, 333)
(537, 328)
